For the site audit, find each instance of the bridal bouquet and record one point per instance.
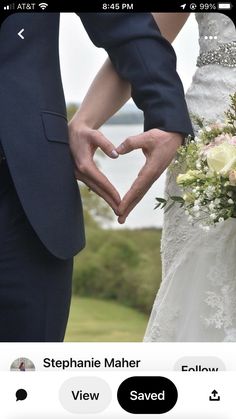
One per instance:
(207, 167)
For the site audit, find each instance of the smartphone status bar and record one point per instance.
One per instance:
(108, 6)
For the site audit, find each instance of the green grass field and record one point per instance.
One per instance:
(93, 320)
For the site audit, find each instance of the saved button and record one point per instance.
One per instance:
(148, 395)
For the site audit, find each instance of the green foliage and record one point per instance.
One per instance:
(197, 120)
(122, 265)
(71, 109)
(172, 199)
(231, 113)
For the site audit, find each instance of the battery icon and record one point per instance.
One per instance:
(224, 6)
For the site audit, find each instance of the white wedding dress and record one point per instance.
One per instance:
(197, 297)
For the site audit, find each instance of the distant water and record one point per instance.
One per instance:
(123, 171)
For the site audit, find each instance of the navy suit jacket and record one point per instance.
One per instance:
(33, 124)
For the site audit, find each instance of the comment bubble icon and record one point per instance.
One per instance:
(21, 394)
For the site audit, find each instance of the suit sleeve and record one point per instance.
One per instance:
(141, 55)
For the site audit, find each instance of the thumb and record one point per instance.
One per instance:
(131, 143)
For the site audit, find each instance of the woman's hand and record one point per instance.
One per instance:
(84, 141)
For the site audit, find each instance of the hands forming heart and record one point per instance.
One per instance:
(159, 148)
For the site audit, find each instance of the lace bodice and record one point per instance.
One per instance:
(208, 95)
(197, 296)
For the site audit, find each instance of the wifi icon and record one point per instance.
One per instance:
(43, 5)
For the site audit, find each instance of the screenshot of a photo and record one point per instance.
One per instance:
(117, 172)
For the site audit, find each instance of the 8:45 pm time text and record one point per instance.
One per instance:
(118, 6)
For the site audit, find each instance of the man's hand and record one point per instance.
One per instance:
(83, 144)
(159, 148)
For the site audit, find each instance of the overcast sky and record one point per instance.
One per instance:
(80, 59)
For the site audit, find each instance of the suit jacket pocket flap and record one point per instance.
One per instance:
(55, 127)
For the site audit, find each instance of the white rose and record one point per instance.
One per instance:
(222, 158)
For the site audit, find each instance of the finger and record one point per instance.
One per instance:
(96, 176)
(106, 146)
(92, 173)
(139, 188)
(132, 143)
(134, 202)
(142, 183)
(95, 188)
(124, 215)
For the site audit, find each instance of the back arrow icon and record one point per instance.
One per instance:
(20, 34)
